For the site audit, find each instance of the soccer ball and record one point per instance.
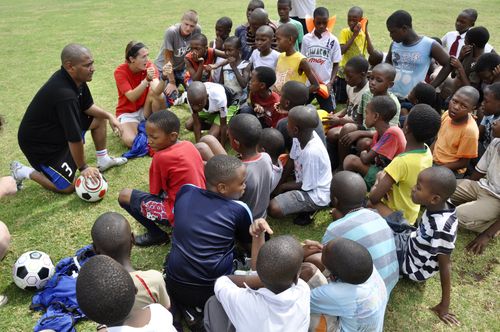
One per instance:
(32, 270)
(89, 191)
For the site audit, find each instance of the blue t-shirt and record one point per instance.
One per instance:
(359, 307)
(207, 226)
(411, 64)
(370, 230)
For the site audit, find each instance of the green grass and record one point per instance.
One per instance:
(32, 34)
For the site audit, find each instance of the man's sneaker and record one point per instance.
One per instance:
(181, 100)
(15, 168)
(303, 219)
(147, 239)
(111, 162)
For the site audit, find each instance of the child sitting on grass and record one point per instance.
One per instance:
(310, 191)
(111, 236)
(355, 72)
(197, 61)
(244, 135)
(174, 164)
(388, 141)
(209, 225)
(273, 143)
(424, 251)
(422, 93)
(457, 140)
(105, 293)
(280, 301)
(208, 104)
(222, 31)
(262, 99)
(478, 198)
(356, 293)
(380, 80)
(234, 74)
(354, 42)
(392, 189)
(322, 50)
(354, 222)
(292, 65)
(263, 54)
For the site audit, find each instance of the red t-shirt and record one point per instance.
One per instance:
(127, 80)
(392, 143)
(271, 116)
(172, 168)
(209, 58)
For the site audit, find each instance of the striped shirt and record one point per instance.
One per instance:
(370, 230)
(435, 236)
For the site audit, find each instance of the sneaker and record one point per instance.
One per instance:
(15, 168)
(3, 299)
(303, 219)
(181, 100)
(147, 239)
(111, 162)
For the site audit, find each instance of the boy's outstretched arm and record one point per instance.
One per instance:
(306, 69)
(257, 230)
(443, 58)
(478, 245)
(196, 127)
(223, 131)
(442, 308)
(456, 165)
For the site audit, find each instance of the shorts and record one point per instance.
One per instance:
(371, 176)
(214, 118)
(137, 116)
(60, 170)
(296, 201)
(148, 206)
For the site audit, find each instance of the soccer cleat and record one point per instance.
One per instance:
(181, 100)
(111, 162)
(148, 239)
(15, 168)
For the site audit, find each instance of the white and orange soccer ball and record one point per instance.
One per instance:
(90, 191)
(32, 270)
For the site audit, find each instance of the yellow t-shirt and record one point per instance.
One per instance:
(456, 141)
(404, 170)
(358, 47)
(287, 69)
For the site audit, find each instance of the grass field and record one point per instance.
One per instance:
(32, 34)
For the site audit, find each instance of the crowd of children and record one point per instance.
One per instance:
(400, 172)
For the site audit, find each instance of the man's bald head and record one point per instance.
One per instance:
(73, 54)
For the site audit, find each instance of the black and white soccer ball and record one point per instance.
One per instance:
(32, 270)
(90, 191)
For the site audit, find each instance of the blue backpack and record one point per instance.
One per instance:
(58, 297)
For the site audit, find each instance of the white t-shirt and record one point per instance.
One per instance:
(313, 169)
(269, 60)
(261, 310)
(217, 100)
(450, 38)
(160, 321)
(321, 53)
(303, 8)
(277, 173)
(354, 99)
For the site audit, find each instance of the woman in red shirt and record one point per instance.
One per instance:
(140, 90)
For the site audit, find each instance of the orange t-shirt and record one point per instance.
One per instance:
(456, 141)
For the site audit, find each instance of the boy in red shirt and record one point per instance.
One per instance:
(174, 164)
(388, 141)
(262, 98)
(200, 58)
